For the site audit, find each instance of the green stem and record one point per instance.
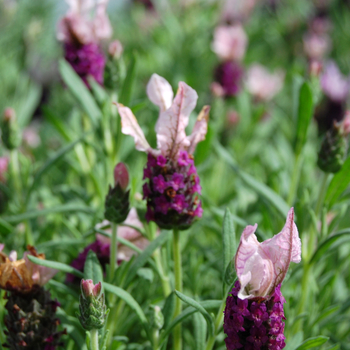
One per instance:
(14, 164)
(163, 277)
(295, 180)
(94, 339)
(321, 194)
(305, 283)
(113, 252)
(155, 336)
(218, 323)
(178, 287)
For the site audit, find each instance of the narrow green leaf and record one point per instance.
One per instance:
(169, 309)
(200, 308)
(63, 288)
(230, 273)
(208, 304)
(50, 162)
(264, 191)
(61, 243)
(142, 258)
(305, 113)
(80, 91)
(200, 331)
(56, 265)
(325, 245)
(228, 240)
(338, 184)
(57, 123)
(92, 268)
(125, 94)
(98, 91)
(312, 342)
(124, 295)
(70, 208)
(5, 227)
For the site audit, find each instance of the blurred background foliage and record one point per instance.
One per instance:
(240, 165)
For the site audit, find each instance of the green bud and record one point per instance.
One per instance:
(156, 318)
(117, 200)
(10, 134)
(93, 313)
(333, 149)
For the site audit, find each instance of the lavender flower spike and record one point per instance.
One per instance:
(172, 180)
(254, 308)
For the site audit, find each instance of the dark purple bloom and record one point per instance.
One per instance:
(102, 251)
(229, 75)
(86, 60)
(254, 323)
(177, 181)
(161, 205)
(183, 159)
(161, 161)
(179, 203)
(170, 191)
(258, 336)
(159, 184)
(258, 313)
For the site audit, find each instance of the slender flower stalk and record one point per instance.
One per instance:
(94, 339)
(178, 287)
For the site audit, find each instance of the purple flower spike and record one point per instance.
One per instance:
(86, 60)
(229, 75)
(254, 323)
(170, 191)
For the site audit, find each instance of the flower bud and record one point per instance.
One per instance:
(115, 49)
(156, 319)
(121, 176)
(89, 289)
(117, 200)
(333, 148)
(9, 129)
(92, 306)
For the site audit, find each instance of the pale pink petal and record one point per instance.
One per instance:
(131, 127)
(200, 129)
(230, 42)
(283, 248)
(102, 26)
(2, 247)
(40, 274)
(160, 92)
(247, 247)
(251, 262)
(262, 84)
(13, 255)
(170, 127)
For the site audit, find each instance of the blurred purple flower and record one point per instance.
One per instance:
(229, 76)
(334, 84)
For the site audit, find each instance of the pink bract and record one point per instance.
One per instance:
(79, 25)
(172, 122)
(262, 266)
(230, 42)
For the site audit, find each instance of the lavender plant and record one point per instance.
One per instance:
(166, 266)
